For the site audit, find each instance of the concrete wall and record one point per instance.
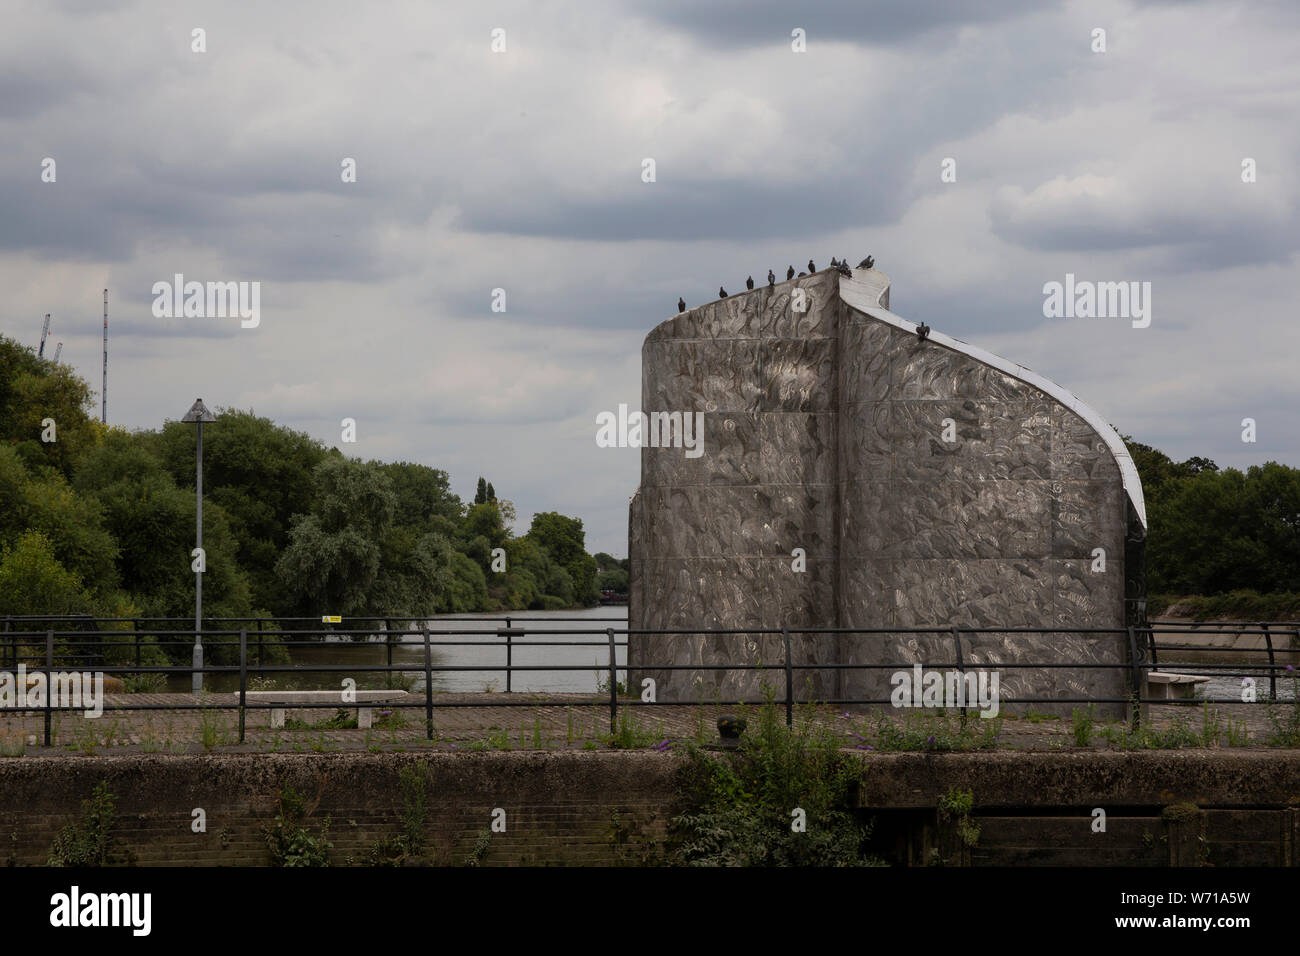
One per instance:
(823, 431)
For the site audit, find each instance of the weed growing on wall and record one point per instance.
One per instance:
(291, 843)
(89, 841)
(782, 798)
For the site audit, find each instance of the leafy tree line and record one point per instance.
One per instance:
(1212, 531)
(101, 520)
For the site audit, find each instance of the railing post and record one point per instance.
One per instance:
(135, 633)
(961, 670)
(509, 656)
(388, 643)
(49, 666)
(613, 683)
(260, 662)
(789, 680)
(428, 687)
(1272, 669)
(243, 678)
(1136, 676)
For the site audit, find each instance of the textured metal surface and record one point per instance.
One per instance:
(825, 432)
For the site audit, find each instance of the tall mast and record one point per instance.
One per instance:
(103, 413)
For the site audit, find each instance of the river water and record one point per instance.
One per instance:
(579, 669)
(584, 669)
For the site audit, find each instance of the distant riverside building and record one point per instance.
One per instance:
(924, 482)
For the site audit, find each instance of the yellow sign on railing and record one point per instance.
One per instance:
(332, 619)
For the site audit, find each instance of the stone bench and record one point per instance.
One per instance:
(361, 700)
(1173, 686)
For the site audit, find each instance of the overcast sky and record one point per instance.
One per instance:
(522, 170)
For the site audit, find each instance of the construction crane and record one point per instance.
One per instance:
(45, 331)
(58, 350)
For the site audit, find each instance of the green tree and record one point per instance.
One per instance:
(34, 391)
(33, 581)
(565, 541)
(261, 474)
(153, 524)
(332, 562)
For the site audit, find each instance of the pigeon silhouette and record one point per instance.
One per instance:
(922, 331)
(771, 277)
(811, 268)
(789, 273)
(749, 283)
(681, 305)
(722, 293)
(867, 263)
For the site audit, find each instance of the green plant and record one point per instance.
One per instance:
(85, 738)
(939, 732)
(955, 812)
(735, 807)
(1211, 726)
(13, 745)
(1284, 719)
(629, 734)
(394, 719)
(1238, 734)
(1177, 735)
(602, 684)
(499, 740)
(409, 842)
(89, 841)
(343, 719)
(1084, 725)
(213, 729)
(480, 849)
(151, 682)
(290, 843)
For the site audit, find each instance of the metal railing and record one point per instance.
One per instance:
(53, 650)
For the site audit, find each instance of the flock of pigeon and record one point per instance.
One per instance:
(839, 265)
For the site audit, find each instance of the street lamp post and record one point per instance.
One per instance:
(198, 414)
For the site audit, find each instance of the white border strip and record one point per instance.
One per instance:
(864, 294)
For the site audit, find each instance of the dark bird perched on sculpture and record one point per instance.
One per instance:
(789, 273)
(771, 277)
(811, 268)
(922, 331)
(802, 274)
(835, 263)
(722, 293)
(681, 305)
(749, 283)
(843, 269)
(867, 263)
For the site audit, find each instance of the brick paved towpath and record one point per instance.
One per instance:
(551, 721)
